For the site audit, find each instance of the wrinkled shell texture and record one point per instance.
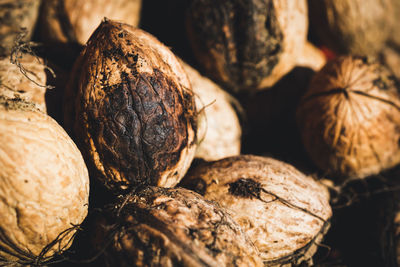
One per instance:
(44, 184)
(352, 26)
(15, 15)
(75, 20)
(349, 118)
(175, 227)
(247, 44)
(14, 83)
(284, 212)
(219, 130)
(135, 110)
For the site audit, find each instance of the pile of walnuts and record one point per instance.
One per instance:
(194, 133)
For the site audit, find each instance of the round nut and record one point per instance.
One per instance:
(44, 185)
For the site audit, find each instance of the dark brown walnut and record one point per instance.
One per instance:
(352, 26)
(247, 44)
(26, 80)
(17, 18)
(74, 21)
(284, 212)
(171, 227)
(349, 118)
(135, 112)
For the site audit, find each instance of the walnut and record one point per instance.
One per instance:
(75, 20)
(352, 26)
(17, 19)
(27, 81)
(44, 186)
(219, 130)
(349, 118)
(135, 112)
(171, 227)
(247, 44)
(284, 212)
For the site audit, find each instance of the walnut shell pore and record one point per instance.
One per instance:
(135, 111)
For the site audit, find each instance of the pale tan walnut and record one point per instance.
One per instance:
(17, 19)
(349, 118)
(219, 132)
(27, 81)
(284, 212)
(75, 20)
(171, 227)
(135, 111)
(247, 45)
(352, 26)
(44, 185)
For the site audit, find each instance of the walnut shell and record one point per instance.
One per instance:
(44, 185)
(172, 227)
(135, 110)
(14, 16)
(75, 20)
(219, 130)
(249, 44)
(284, 212)
(349, 118)
(14, 83)
(352, 26)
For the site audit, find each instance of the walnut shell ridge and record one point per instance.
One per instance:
(44, 185)
(284, 212)
(135, 112)
(172, 227)
(349, 118)
(75, 20)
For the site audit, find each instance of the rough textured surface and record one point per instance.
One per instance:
(13, 82)
(44, 184)
(135, 110)
(349, 118)
(284, 212)
(15, 15)
(172, 227)
(75, 20)
(352, 26)
(219, 130)
(247, 44)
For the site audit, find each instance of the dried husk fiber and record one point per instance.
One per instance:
(349, 118)
(171, 227)
(352, 26)
(44, 185)
(16, 17)
(67, 21)
(247, 44)
(27, 80)
(284, 212)
(219, 131)
(135, 112)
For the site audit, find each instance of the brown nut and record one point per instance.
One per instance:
(44, 185)
(135, 110)
(75, 20)
(17, 19)
(219, 130)
(284, 212)
(27, 81)
(352, 26)
(349, 118)
(172, 227)
(247, 44)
